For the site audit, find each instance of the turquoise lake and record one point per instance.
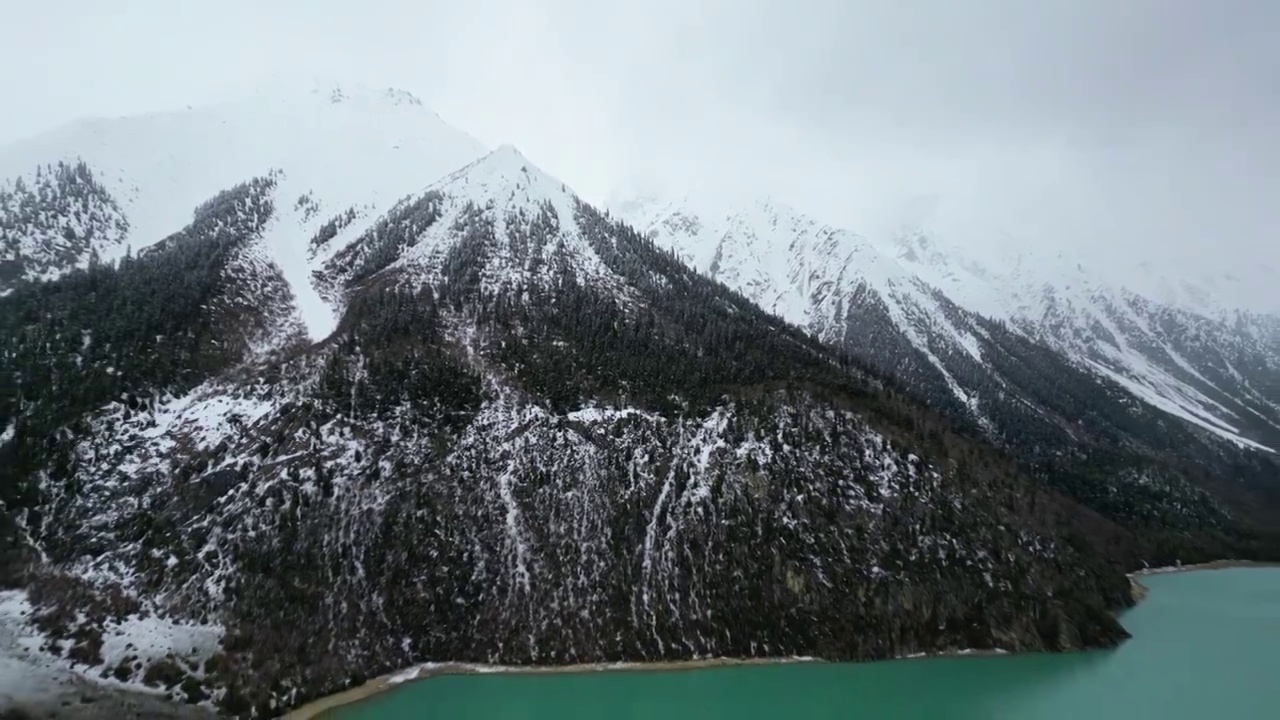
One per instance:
(1204, 646)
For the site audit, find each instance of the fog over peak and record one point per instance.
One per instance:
(1131, 133)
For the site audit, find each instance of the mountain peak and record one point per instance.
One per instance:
(512, 219)
(508, 152)
(331, 91)
(505, 177)
(337, 94)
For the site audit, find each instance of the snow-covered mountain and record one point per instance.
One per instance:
(1216, 368)
(1136, 408)
(533, 437)
(1213, 366)
(807, 273)
(351, 369)
(525, 204)
(341, 154)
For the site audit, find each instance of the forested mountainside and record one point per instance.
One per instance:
(1119, 401)
(57, 221)
(532, 437)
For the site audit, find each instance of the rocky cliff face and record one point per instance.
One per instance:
(532, 437)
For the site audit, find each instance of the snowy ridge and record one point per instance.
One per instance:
(1182, 361)
(804, 271)
(501, 208)
(337, 147)
(258, 282)
(1210, 366)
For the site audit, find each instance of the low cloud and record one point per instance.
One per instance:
(1121, 132)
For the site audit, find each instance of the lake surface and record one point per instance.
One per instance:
(1205, 645)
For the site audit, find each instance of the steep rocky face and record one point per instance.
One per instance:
(533, 437)
(1141, 411)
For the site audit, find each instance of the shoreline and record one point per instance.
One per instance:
(382, 683)
(1139, 591)
(1211, 565)
(318, 708)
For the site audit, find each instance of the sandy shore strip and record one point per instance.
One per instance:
(1139, 591)
(1214, 565)
(426, 670)
(318, 708)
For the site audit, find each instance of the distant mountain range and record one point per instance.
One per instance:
(1218, 368)
(1084, 382)
(320, 358)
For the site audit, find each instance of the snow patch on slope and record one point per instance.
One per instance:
(1186, 411)
(28, 669)
(286, 238)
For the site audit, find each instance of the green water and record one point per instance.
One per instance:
(1204, 646)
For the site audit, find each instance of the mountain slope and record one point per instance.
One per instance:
(1088, 388)
(533, 437)
(343, 155)
(1214, 367)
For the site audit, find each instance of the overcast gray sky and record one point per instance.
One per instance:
(1134, 127)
